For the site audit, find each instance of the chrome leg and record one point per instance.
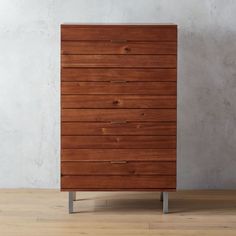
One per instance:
(165, 202)
(71, 201)
(161, 197)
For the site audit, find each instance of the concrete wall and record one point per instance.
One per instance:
(29, 85)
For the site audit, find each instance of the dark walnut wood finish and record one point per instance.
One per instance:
(118, 107)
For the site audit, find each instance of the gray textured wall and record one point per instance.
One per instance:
(29, 85)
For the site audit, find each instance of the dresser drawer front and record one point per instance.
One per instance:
(113, 115)
(118, 101)
(118, 142)
(126, 61)
(118, 168)
(118, 154)
(155, 88)
(109, 47)
(119, 32)
(117, 182)
(119, 104)
(117, 74)
(118, 128)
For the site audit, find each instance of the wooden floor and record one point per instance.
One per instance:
(44, 213)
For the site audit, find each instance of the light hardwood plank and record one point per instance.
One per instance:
(44, 212)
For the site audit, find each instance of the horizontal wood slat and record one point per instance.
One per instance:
(118, 101)
(118, 115)
(118, 168)
(125, 61)
(119, 32)
(118, 154)
(118, 142)
(155, 88)
(114, 74)
(117, 182)
(107, 128)
(80, 48)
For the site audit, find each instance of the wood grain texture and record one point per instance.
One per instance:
(118, 168)
(104, 115)
(114, 74)
(118, 142)
(108, 47)
(125, 61)
(108, 128)
(118, 154)
(117, 182)
(118, 101)
(38, 212)
(154, 88)
(119, 32)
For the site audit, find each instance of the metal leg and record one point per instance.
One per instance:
(165, 202)
(74, 196)
(161, 197)
(71, 201)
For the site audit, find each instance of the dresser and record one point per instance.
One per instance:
(118, 108)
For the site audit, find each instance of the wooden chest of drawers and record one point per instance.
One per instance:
(118, 107)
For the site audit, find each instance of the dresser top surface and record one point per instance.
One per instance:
(119, 24)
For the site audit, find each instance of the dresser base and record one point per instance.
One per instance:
(163, 198)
